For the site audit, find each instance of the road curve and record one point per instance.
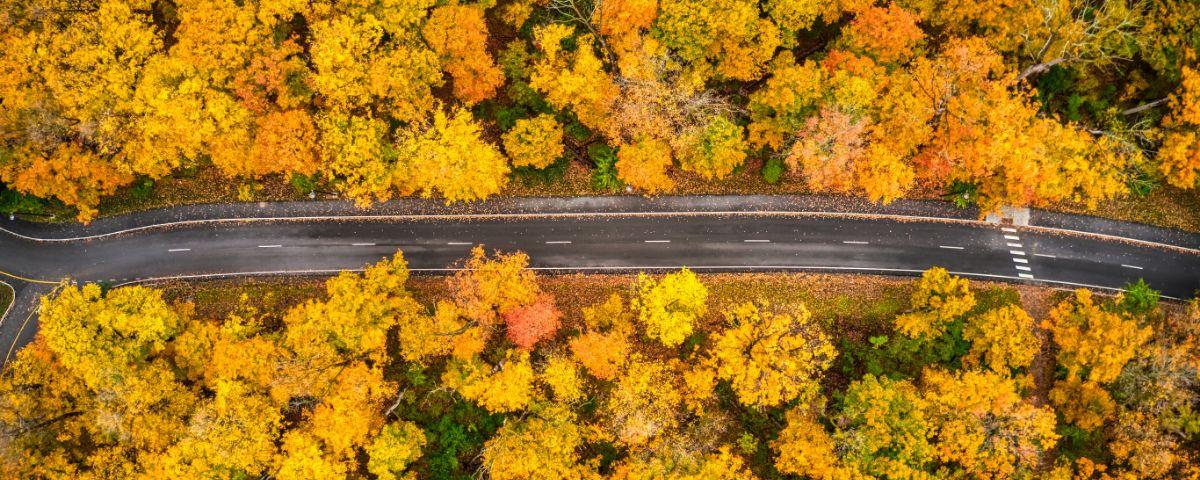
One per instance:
(597, 242)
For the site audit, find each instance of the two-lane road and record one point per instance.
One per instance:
(607, 242)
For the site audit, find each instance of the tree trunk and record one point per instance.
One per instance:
(1146, 106)
(1039, 68)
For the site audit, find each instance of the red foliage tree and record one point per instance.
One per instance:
(529, 324)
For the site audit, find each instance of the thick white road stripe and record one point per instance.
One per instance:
(1017, 252)
(1024, 268)
(179, 250)
(1044, 255)
(1025, 275)
(557, 242)
(363, 244)
(1135, 267)
(1010, 230)
(458, 243)
(757, 241)
(658, 241)
(1015, 245)
(269, 246)
(855, 242)
(1020, 260)
(950, 247)
(1011, 237)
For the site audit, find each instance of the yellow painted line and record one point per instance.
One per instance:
(27, 279)
(24, 324)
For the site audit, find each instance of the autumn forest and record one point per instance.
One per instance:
(494, 373)
(1013, 102)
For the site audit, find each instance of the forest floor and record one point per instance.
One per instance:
(1165, 207)
(6, 299)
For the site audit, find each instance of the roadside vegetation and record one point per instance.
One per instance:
(110, 105)
(498, 373)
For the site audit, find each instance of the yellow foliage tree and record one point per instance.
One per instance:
(669, 307)
(644, 403)
(1085, 404)
(772, 358)
(393, 449)
(572, 80)
(534, 142)
(713, 150)
(354, 321)
(540, 447)
(459, 34)
(561, 374)
(1179, 155)
(644, 163)
(602, 354)
(504, 387)
(1002, 339)
(356, 154)
(1093, 343)
(451, 158)
(806, 449)
(371, 56)
(937, 301)
(726, 38)
(984, 427)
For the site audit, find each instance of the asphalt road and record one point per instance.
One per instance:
(583, 242)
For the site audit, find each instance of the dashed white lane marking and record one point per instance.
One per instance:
(1017, 252)
(1025, 275)
(558, 242)
(1135, 267)
(950, 247)
(756, 241)
(1010, 230)
(658, 241)
(179, 249)
(458, 243)
(269, 246)
(1014, 245)
(1024, 268)
(1044, 255)
(364, 244)
(855, 242)
(1011, 237)
(1020, 260)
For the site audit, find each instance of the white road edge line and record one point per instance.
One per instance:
(950, 247)
(270, 246)
(856, 242)
(309, 218)
(364, 244)
(558, 242)
(756, 241)
(1044, 255)
(657, 241)
(458, 243)
(627, 268)
(10, 304)
(179, 249)
(1135, 267)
